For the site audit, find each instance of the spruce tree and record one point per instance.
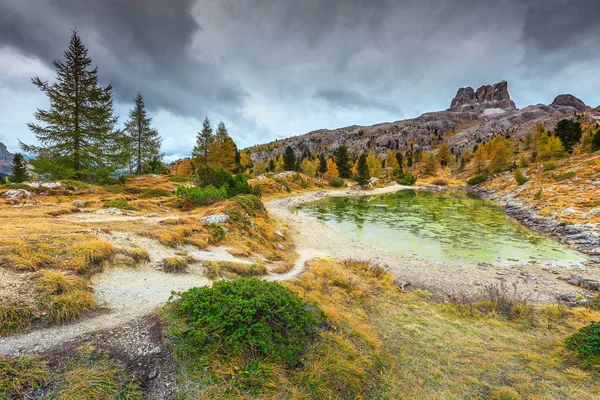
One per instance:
(596, 142)
(400, 160)
(363, 170)
(289, 159)
(569, 132)
(203, 142)
(19, 169)
(146, 140)
(322, 165)
(77, 133)
(343, 162)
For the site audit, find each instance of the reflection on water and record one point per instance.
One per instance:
(445, 226)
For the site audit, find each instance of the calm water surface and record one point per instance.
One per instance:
(446, 226)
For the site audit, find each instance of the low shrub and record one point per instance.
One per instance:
(586, 343)
(476, 180)
(120, 204)
(174, 264)
(217, 232)
(549, 166)
(563, 177)
(538, 195)
(406, 178)
(496, 299)
(337, 183)
(439, 182)
(132, 190)
(222, 179)
(181, 179)
(246, 317)
(202, 196)
(283, 184)
(520, 178)
(77, 184)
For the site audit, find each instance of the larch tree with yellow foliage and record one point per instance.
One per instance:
(222, 151)
(332, 170)
(308, 168)
(259, 168)
(478, 160)
(444, 155)
(501, 154)
(245, 161)
(279, 164)
(391, 162)
(184, 168)
(374, 165)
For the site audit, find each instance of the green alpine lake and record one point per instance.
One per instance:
(449, 226)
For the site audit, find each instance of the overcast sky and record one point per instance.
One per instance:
(276, 68)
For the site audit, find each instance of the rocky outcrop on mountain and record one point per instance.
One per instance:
(487, 97)
(568, 100)
(5, 160)
(474, 117)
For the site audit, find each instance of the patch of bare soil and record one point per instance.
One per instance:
(16, 287)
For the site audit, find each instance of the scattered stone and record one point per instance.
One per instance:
(280, 245)
(79, 203)
(575, 280)
(215, 219)
(278, 233)
(47, 185)
(393, 183)
(484, 265)
(155, 350)
(18, 194)
(152, 215)
(567, 297)
(152, 374)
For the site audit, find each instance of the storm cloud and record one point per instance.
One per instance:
(275, 68)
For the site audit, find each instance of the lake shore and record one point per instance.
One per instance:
(541, 283)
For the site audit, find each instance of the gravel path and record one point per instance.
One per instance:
(131, 293)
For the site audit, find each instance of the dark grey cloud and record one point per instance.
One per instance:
(351, 99)
(555, 25)
(275, 68)
(139, 46)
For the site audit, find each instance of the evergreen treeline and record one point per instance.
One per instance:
(77, 135)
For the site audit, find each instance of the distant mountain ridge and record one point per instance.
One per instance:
(6, 159)
(473, 117)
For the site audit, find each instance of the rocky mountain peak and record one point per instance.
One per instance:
(494, 96)
(6, 159)
(569, 100)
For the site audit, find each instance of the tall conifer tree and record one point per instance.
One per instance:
(203, 142)
(19, 169)
(77, 133)
(146, 141)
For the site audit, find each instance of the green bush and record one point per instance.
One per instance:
(245, 317)
(337, 183)
(476, 180)
(549, 166)
(563, 177)
(202, 196)
(586, 343)
(77, 184)
(181, 179)
(120, 204)
(406, 178)
(219, 178)
(217, 232)
(520, 178)
(538, 195)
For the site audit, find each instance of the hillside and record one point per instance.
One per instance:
(473, 117)
(5, 160)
